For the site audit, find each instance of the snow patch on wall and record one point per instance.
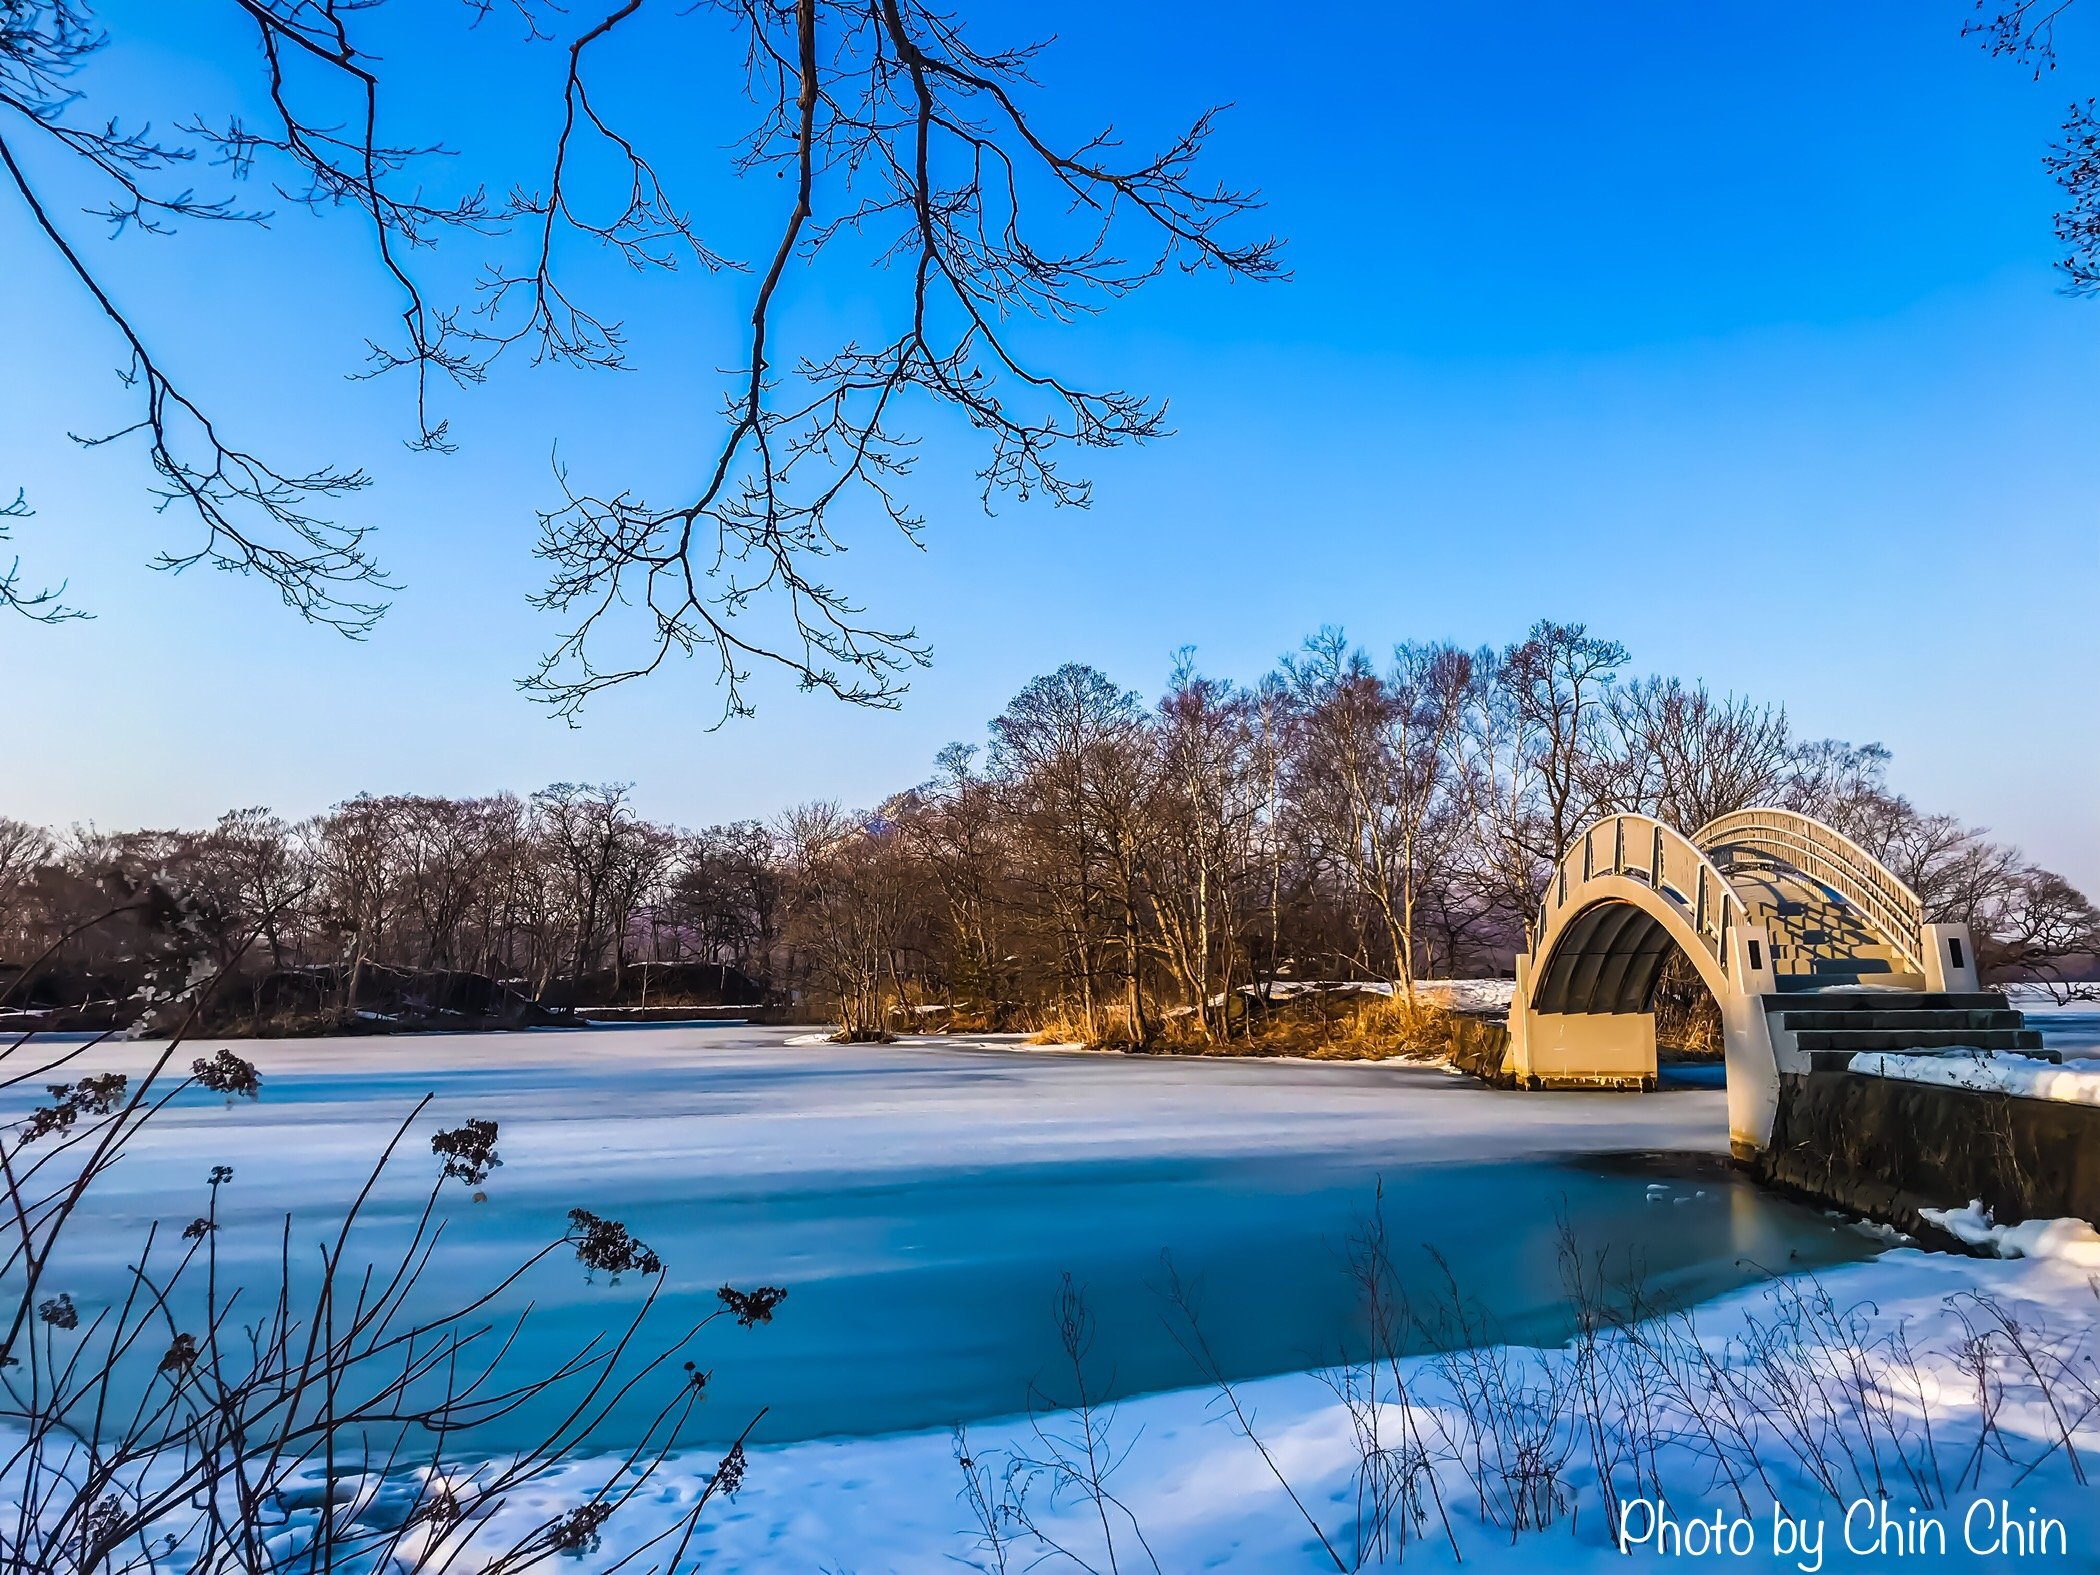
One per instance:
(1989, 1072)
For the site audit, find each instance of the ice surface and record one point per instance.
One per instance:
(920, 1200)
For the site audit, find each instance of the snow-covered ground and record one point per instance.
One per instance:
(2070, 1242)
(1851, 1438)
(1190, 1480)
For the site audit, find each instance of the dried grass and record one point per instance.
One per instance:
(1326, 1026)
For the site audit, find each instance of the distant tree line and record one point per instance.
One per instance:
(1102, 862)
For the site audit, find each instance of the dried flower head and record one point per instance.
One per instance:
(607, 1244)
(753, 1307)
(226, 1073)
(469, 1152)
(91, 1096)
(577, 1531)
(59, 1312)
(729, 1475)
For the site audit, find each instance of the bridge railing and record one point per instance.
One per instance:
(1831, 857)
(1640, 847)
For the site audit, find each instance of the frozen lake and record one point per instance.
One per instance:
(921, 1200)
(2074, 1030)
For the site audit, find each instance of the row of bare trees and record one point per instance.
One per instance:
(1106, 860)
(1103, 861)
(532, 890)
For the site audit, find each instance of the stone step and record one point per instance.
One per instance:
(1905, 1017)
(1824, 978)
(1890, 1001)
(1903, 1041)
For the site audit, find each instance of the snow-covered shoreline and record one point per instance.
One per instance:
(1204, 1498)
(1188, 1488)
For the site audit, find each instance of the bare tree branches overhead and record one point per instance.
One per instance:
(891, 129)
(39, 604)
(909, 155)
(2025, 32)
(2075, 163)
(257, 517)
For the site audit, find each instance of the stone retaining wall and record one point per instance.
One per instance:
(1883, 1148)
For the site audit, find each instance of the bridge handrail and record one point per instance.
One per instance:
(1644, 848)
(1830, 856)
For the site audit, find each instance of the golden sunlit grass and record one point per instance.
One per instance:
(1323, 1025)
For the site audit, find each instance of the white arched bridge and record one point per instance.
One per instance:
(1810, 946)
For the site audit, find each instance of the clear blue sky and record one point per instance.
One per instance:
(1589, 304)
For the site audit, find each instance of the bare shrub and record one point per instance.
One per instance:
(1805, 1400)
(1185, 1323)
(1072, 1457)
(326, 1420)
(990, 1515)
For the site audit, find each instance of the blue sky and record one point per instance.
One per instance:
(1589, 306)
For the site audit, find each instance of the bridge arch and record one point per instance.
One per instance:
(1762, 903)
(1610, 956)
(1785, 839)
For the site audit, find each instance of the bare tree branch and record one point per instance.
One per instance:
(906, 149)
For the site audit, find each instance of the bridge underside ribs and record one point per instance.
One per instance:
(1607, 961)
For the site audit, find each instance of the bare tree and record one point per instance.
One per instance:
(1676, 751)
(962, 844)
(1070, 750)
(249, 857)
(1558, 679)
(23, 850)
(2036, 925)
(1110, 868)
(848, 900)
(1384, 754)
(1212, 783)
(910, 155)
(357, 849)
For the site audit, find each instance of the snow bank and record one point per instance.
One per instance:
(1204, 1498)
(1189, 1488)
(1991, 1072)
(1469, 995)
(2070, 1242)
(1458, 995)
